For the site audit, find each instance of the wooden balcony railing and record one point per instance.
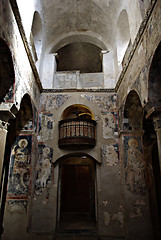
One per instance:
(77, 133)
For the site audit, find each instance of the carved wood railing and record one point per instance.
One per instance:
(77, 133)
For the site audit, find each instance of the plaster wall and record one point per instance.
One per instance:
(138, 70)
(76, 80)
(24, 79)
(105, 154)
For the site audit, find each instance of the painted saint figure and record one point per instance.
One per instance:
(21, 163)
(135, 168)
(44, 168)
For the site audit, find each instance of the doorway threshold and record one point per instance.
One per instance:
(77, 224)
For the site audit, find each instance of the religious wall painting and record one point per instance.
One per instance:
(20, 164)
(52, 101)
(105, 104)
(18, 206)
(110, 155)
(43, 168)
(45, 130)
(110, 125)
(134, 165)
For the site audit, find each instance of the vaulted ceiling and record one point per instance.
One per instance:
(80, 17)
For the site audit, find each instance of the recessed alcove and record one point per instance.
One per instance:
(77, 128)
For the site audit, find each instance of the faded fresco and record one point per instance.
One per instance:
(17, 206)
(104, 103)
(134, 165)
(20, 161)
(110, 125)
(110, 155)
(43, 168)
(51, 101)
(9, 96)
(45, 126)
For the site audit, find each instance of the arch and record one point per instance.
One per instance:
(36, 36)
(123, 35)
(25, 114)
(16, 166)
(154, 83)
(88, 37)
(7, 75)
(133, 112)
(75, 154)
(77, 110)
(84, 100)
(82, 56)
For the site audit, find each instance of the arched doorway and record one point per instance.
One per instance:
(77, 193)
(17, 159)
(138, 217)
(7, 76)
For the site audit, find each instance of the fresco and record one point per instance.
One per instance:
(20, 161)
(104, 103)
(17, 206)
(51, 101)
(43, 168)
(45, 126)
(110, 154)
(134, 165)
(110, 125)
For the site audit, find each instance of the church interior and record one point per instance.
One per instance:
(80, 119)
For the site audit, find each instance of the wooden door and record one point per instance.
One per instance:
(76, 191)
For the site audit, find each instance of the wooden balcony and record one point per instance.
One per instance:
(77, 133)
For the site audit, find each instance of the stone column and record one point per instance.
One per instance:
(3, 135)
(157, 127)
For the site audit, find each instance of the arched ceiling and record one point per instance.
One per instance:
(89, 17)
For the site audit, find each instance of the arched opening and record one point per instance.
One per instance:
(6, 73)
(77, 111)
(133, 112)
(77, 129)
(80, 56)
(153, 177)
(154, 87)
(77, 193)
(16, 168)
(36, 37)
(123, 36)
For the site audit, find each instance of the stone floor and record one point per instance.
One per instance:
(76, 227)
